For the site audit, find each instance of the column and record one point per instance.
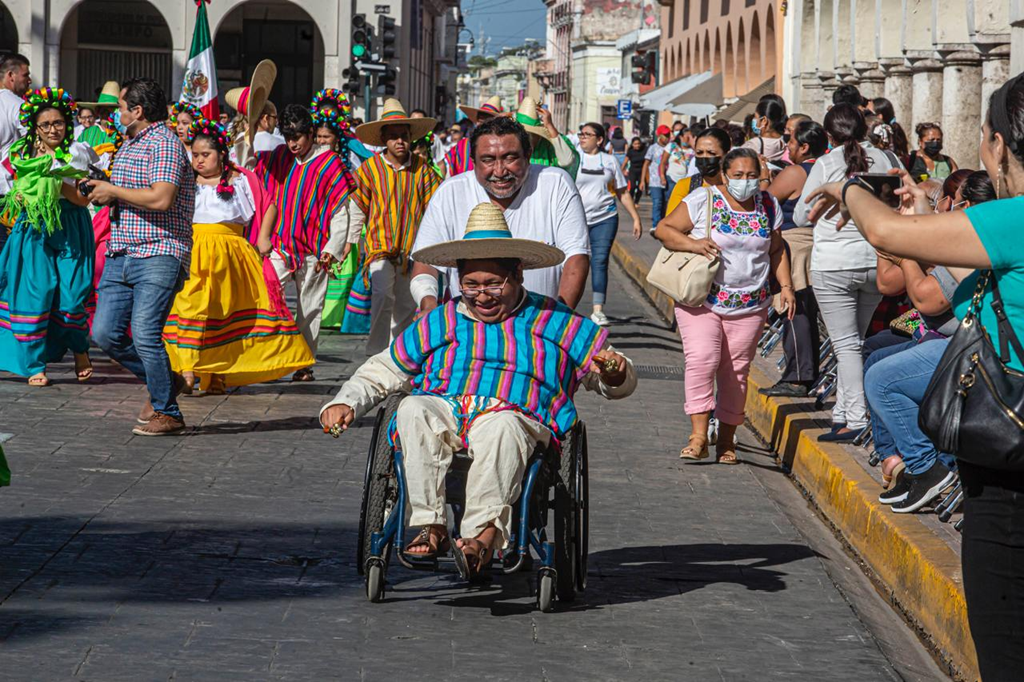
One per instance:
(811, 97)
(961, 107)
(899, 89)
(52, 64)
(995, 70)
(828, 86)
(872, 80)
(927, 96)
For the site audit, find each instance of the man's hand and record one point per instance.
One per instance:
(545, 119)
(102, 192)
(610, 366)
(265, 247)
(337, 418)
(827, 201)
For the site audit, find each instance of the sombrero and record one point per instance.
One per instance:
(491, 106)
(528, 118)
(487, 236)
(249, 101)
(393, 114)
(107, 98)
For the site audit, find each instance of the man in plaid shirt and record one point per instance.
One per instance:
(152, 191)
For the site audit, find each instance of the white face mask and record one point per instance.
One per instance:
(742, 190)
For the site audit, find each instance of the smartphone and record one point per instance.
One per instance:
(883, 186)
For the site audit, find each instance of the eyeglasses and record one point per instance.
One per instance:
(492, 291)
(584, 136)
(52, 125)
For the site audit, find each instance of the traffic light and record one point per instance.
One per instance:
(651, 67)
(353, 86)
(639, 68)
(386, 82)
(361, 38)
(387, 36)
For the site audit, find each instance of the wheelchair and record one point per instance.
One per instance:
(554, 488)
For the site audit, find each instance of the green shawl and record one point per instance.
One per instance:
(36, 190)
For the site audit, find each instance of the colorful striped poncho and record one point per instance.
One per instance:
(534, 360)
(307, 196)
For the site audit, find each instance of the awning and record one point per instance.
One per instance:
(745, 105)
(696, 95)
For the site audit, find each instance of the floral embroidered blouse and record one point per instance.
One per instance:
(741, 285)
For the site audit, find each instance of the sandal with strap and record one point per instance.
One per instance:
(39, 381)
(690, 452)
(303, 375)
(422, 539)
(727, 455)
(474, 565)
(888, 478)
(83, 367)
(217, 385)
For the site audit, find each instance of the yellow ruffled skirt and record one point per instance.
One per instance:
(224, 322)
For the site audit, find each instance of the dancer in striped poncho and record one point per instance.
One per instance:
(494, 371)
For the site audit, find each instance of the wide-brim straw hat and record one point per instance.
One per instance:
(249, 101)
(107, 97)
(393, 114)
(528, 118)
(491, 106)
(487, 237)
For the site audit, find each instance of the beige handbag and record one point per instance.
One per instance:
(685, 277)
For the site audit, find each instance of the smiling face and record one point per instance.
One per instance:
(51, 128)
(500, 165)
(497, 288)
(326, 137)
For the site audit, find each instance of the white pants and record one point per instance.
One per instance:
(311, 285)
(500, 443)
(391, 306)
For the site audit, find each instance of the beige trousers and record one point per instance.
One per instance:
(311, 288)
(500, 443)
(391, 306)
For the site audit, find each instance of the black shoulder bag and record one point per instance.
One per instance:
(974, 403)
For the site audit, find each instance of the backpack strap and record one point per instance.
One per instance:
(894, 161)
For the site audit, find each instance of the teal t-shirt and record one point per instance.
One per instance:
(996, 223)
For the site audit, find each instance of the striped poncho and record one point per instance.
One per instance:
(307, 196)
(533, 361)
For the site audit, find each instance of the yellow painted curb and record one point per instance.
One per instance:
(920, 571)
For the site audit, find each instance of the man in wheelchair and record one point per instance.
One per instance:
(493, 371)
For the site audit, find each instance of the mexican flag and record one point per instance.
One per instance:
(200, 84)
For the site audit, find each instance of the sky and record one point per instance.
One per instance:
(505, 23)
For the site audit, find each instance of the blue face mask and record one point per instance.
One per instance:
(755, 127)
(116, 119)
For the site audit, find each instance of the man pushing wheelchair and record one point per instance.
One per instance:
(494, 372)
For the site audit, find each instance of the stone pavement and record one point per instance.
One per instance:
(229, 553)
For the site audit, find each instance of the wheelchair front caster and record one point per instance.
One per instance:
(546, 590)
(375, 580)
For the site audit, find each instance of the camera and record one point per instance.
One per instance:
(84, 188)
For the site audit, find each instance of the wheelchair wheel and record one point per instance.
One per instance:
(378, 486)
(375, 581)
(567, 516)
(582, 539)
(545, 591)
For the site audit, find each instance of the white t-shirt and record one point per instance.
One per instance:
(596, 173)
(547, 209)
(744, 239)
(10, 128)
(653, 155)
(263, 141)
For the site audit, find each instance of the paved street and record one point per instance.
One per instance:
(229, 553)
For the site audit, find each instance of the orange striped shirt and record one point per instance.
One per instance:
(393, 201)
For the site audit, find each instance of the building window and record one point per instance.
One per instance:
(704, 11)
(751, 3)
(686, 14)
(671, 19)
(725, 7)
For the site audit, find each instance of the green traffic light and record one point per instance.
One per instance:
(358, 50)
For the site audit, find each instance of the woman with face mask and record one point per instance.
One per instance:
(928, 161)
(768, 126)
(709, 148)
(735, 222)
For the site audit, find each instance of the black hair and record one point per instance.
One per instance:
(848, 94)
(597, 128)
(501, 125)
(509, 265)
(799, 117)
(69, 126)
(748, 125)
(146, 93)
(418, 111)
(811, 133)
(617, 135)
(224, 189)
(81, 109)
(884, 108)
(740, 153)
(10, 61)
(737, 134)
(953, 181)
(977, 188)
(697, 128)
(295, 121)
(923, 128)
(774, 110)
(720, 136)
(1010, 123)
(846, 125)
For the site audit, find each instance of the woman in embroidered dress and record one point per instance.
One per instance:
(739, 225)
(46, 266)
(229, 325)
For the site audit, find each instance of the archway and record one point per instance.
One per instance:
(770, 67)
(742, 72)
(104, 40)
(755, 59)
(729, 65)
(708, 55)
(688, 64)
(8, 31)
(271, 29)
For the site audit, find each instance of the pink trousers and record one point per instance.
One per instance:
(722, 348)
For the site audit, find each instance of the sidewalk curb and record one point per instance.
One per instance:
(918, 570)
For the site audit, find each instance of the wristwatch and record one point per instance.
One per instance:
(859, 182)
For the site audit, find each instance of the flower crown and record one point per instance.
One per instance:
(183, 108)
(211, 129)
(330, 107)
(48, 97)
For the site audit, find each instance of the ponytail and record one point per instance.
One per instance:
(845, 123)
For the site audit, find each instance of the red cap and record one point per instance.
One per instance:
(663, 130)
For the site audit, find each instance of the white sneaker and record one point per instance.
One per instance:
(600, 319)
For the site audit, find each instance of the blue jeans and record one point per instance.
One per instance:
(895, 386)
(139, 292)
(602, 235)
(658, 199)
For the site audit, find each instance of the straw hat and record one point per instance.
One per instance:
(527, 116)
(108, 96)
(249, 101)
(393, 114)
(491, 106)
(487, 237)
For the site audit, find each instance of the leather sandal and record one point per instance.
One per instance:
(422, 539)
(727, 455)
(887, 479)
(690, 452)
